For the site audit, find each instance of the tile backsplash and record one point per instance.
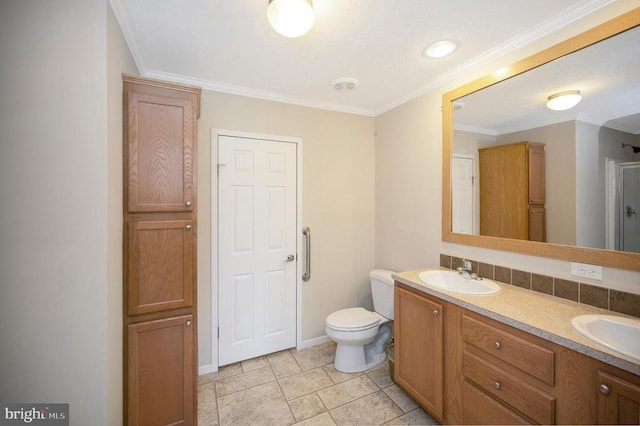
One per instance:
(601, 297)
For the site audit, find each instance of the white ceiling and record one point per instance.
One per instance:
(228, 45)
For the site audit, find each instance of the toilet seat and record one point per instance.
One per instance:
(353, 319)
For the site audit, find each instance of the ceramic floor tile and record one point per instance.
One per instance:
(400, 398)
(226, 371)
(243, 381)
(374, 409)
(381, 377)
(315, 356)
(339, 376)
(307, 406)
(254, 364)
(262, 405)
(305, 383)
(207, 405)
(415, 417)
(347, 391)
(283, 364)
(323, 419)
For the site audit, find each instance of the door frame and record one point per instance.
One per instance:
(215, 133)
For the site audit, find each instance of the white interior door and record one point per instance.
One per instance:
(462, 194)
(257, 254)
(630, 208)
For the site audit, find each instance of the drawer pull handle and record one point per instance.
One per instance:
(187, 203)
(605, 389)
(435, 312)
(497, 345)
(188, 323)
(497, 384)
(188, 227)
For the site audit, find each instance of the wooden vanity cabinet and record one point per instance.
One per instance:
(618, 397)
(419, 346)
(512, 191)
(465, 368)
(159, 252)
(515, 370)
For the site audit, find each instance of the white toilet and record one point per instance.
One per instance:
(362, 335)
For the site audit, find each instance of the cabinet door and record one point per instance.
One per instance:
(618, 400)
(159, 150)
(419, 349)
(161, 265)
(536, 174)
(537, 224)
(160, 369)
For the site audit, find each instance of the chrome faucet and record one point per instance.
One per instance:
(466, 270)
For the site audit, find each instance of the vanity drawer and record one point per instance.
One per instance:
(506, 387)
(526, 356)
(481, 409)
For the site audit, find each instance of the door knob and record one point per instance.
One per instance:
(187, 227)
(187, 203)
(291, 258)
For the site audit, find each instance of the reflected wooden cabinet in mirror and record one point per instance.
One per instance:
(512, 191)
(577, 220)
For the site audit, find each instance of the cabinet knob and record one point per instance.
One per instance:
(497, 384)
(497, 345)
(187, 227)
(435, 312)
(187, 203)
(604, 389)
(188, 323)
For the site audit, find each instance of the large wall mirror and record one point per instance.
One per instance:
(590, 169)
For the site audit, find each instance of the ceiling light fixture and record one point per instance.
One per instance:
(291, 18)
(439, 49)
(563, 100)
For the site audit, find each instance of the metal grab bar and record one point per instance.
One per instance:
(307, 262)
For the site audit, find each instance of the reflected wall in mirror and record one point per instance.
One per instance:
(590, 170)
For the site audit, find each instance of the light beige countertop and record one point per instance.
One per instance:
(537, 313)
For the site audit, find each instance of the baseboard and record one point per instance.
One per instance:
(313, 342)
(206, 369)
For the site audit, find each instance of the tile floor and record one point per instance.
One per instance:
(303, 388)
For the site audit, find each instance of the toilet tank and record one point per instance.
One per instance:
(382, 292)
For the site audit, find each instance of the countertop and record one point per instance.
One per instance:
(537, 313)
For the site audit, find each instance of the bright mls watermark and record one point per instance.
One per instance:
(34, 414)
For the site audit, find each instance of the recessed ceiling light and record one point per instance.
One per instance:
(344, 83)
(563, 100)
(439, 49)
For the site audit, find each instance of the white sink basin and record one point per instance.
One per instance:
(618, 333)
(454, 281)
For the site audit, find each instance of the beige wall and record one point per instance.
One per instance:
(53, 183)
(338, 201)
(409, 180)
(119, 60)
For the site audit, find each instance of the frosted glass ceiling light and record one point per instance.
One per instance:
(291, 18)
(564, 100)
(439, 49)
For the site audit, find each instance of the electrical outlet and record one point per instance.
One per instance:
(585, 270)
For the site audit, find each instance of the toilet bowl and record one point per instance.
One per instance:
(361, 335)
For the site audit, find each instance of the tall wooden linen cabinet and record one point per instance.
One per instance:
(160, 350)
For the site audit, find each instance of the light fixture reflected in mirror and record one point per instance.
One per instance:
(290, 18)
(564, 100)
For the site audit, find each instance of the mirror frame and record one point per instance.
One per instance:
(608, 258)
